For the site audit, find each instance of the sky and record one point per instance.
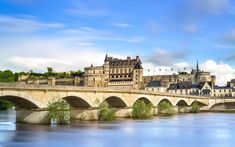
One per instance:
(72, 34)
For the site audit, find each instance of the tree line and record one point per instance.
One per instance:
(10, 76)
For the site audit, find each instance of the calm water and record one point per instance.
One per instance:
(189, 130)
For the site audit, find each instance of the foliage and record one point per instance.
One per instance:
(59, 110)
(195, 108)
(165, 108)
(77, 73)
(7, 76)
(106, 113)
(142, 110)
(4, 105)
(10, 76)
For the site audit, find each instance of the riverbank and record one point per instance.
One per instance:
(219, 111)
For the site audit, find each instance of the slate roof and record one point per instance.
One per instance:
(154, 84)
(138, 66)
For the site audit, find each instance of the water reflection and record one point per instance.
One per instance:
(206, 129)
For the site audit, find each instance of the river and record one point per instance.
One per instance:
(188, 130)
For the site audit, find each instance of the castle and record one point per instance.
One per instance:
(118, 73)
(128, 74)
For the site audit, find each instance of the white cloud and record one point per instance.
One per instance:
(27, 53)
(223, 72)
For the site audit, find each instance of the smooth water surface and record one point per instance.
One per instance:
(189, 130)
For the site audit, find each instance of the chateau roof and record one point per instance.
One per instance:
(115, 62)
(138, 65)
(154, 84)
(188, 85)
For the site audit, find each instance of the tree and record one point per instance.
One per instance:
(142, 110)
(7, 76)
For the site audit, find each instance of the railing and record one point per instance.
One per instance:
(18, 86)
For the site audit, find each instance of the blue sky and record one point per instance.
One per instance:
(71, 34)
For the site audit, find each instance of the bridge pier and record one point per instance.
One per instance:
(186, 109)
(92, 114)
(31, 116)
(84, 114)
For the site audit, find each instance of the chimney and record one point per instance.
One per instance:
(128, 58)
(137, 58)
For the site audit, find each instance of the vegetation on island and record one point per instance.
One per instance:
(142, 110)
(195, 107)
(165, 108)
(59, 111)
(106, 113)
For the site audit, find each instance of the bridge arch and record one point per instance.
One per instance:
(115, 102)
(166, 100)
(222, 106)
(145, 99)
(181, 103)
(201, 104)
(21, 100)
(77, 102)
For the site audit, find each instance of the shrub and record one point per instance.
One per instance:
(165, 108)
(59, 110)
(106, 113)
(142, 110)
(195, 108)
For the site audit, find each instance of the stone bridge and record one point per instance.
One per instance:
(31, 100)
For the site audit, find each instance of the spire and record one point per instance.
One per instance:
(106, 57)
(197, 66)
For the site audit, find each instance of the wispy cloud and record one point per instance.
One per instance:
(24, 24)
(88, 12)
(229, 37)
(190, 28)
(123, 25)
(211, 6)
(93, 34)
(87, 9)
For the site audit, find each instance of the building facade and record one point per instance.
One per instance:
(195, 77)
(116, 73)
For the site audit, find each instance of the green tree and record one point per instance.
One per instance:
(142, 110)
(7, 76)
(165, 108)
(195, 107)
(59, 110)
(106, 113)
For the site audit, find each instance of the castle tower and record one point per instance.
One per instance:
(106, 70)
(137, 74)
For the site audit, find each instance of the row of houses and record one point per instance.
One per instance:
(188, 88)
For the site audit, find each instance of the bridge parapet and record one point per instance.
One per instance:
(18, 86)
